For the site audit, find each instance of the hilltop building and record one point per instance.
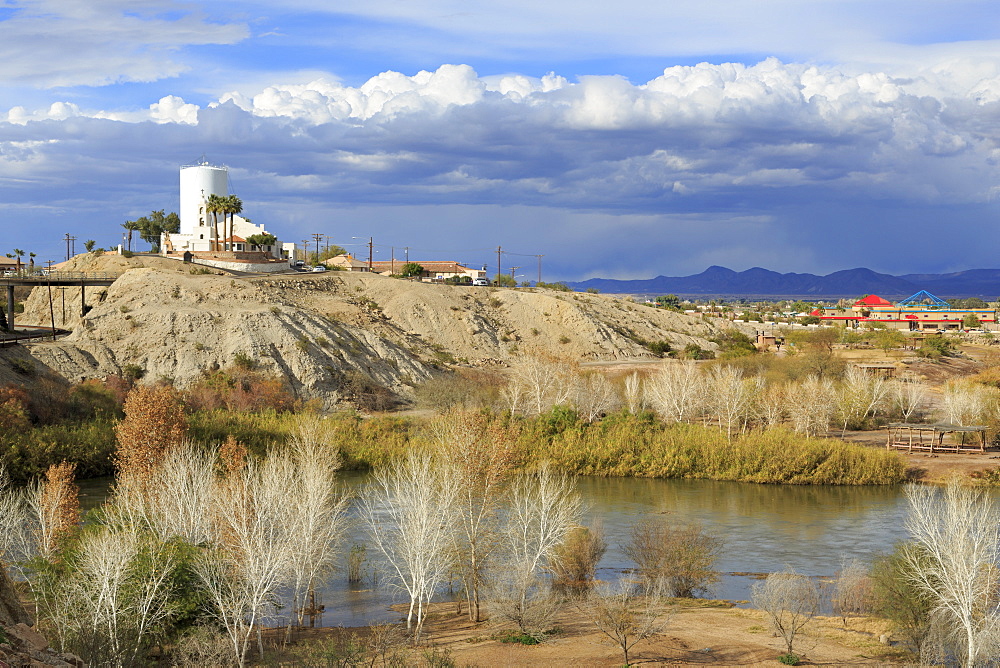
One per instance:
(918, 313)
(198, 235)
(433, 269)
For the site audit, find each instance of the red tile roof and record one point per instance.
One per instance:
(872, 300)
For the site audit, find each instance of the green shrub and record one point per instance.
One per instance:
(789, 659)
(25, 367)
(133, 371)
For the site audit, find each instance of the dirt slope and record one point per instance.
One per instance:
(312, 328)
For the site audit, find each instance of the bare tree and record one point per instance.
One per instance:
(906, 397)
(250, 553)
(810, 405)
(860, 395)
(626, 612)
(769, 410)
(967, 403)
(174, 499)
(595, 396)
(633, 393)
(407, 510)
(483, 452)
(731, 397)
(957, 546)
(790, 601)
(676, 391)
(852, 590)
(679, 557)
(318, 513)
(537, 384)
(115, 596)
(544, 507)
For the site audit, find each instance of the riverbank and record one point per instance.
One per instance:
(698, 633)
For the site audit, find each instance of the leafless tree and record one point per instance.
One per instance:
(318, 512)
(676, 391)
(483, 452)
(957, 547)
(408, 511)
(536, 384)
(852, 589)
(906, 397)
(627, 613)
(859, 396)
(633, 393)
(810, 405)
(967, 403)
(790, 600)
(731, 397)
(595, 396)
(174, 499)
(678, 557)
(544, 507)
(251, 548)
(769, 410)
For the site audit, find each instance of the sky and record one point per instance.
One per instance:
(616, 140)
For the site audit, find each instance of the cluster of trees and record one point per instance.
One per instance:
(229, 206)
(17, 254)
(940, 588)
(151, 227)
(734, 400)
(189, 536)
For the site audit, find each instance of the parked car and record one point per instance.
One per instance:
(318, 269)
(300, 263)
(480, 281)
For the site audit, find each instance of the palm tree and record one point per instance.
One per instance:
(214, 206)
(234, 206)
(131, 226)
(19, 253)
(31, 261)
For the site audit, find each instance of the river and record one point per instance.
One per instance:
(765, 528)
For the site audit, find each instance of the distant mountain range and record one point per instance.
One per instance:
(757, 282)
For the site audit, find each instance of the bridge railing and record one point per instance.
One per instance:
(59, 275)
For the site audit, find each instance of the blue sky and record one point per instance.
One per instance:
(619, 140)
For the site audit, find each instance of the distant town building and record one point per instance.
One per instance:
(918, 313)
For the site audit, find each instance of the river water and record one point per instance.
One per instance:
(765, 528)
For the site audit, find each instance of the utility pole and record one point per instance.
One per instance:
(69, 239)
(513, 270)
(318, 238)
(539, 267)
(371, 243)
(499, 271)
(407, 249)
(305, 249)
(392, 260)
(328, 237)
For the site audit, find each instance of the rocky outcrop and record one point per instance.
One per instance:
(20, 644)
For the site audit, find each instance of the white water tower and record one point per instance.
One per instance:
(198, 181)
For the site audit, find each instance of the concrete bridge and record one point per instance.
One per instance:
(52, 279)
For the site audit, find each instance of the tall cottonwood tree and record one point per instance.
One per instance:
(954, 560)
(544, 508)
(676, 392)
(407, 511)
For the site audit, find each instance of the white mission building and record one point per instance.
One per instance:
(197, 232)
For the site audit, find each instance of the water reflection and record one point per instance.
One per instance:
(765, 528)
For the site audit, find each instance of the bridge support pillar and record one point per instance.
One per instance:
(10, 308)
(83, 300)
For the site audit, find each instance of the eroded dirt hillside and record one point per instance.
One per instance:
(314, 328)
